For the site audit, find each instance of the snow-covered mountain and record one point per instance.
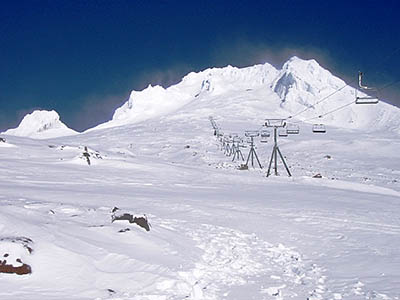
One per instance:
(41, 124)
(300, 84)
(298, 87)
(71, 207)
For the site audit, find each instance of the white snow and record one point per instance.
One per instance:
(216, 232)
(41, 124)
(299, 85)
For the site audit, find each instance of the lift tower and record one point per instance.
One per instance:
(251, 134)
(276, 123)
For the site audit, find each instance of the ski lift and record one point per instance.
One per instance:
(292, 129)
(318, 128)
(265, 134)
(220, 136)
(237, 139)
(282, 132)
(251, 133)
(233, 135)
(240, 143)
(275, 122)
(371, 94)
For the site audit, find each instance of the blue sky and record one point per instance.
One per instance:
(82, 58)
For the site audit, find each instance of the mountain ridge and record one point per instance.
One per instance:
(297, 89)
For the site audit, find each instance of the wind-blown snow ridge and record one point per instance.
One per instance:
(41, 124)
(300, 84)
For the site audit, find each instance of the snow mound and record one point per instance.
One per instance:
(41, 124)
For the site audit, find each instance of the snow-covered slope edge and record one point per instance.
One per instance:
(41, 124)
(299, 85)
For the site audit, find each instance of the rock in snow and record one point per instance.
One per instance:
(41, 124)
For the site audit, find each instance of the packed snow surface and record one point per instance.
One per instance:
(331, 231)
(41, 124)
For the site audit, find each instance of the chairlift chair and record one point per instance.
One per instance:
(292, 129)
(237, 139)
(368, 99)
(282, 132)
(318, 128)
(251, 133)
(371, 94)
(275, 122)
(265, 134)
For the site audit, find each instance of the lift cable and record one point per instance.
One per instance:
(322, 100)
(345, 105)
(330, 112)
(338, 90)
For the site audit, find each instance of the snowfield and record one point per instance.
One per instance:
(216, 232)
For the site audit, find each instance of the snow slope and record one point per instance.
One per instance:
(299, 85)
(41, 124)
(156, 101)
(216, 232)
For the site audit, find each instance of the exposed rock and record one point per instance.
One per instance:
(141, 221)
(11, 260)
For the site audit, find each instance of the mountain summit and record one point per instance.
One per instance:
(41, 124)
(299, 85)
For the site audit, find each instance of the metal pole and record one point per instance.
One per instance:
(275, 152)
(248, 157)
(252, 152)
(283, 160)
(257, 159)
(270, 162)
(240, 151)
